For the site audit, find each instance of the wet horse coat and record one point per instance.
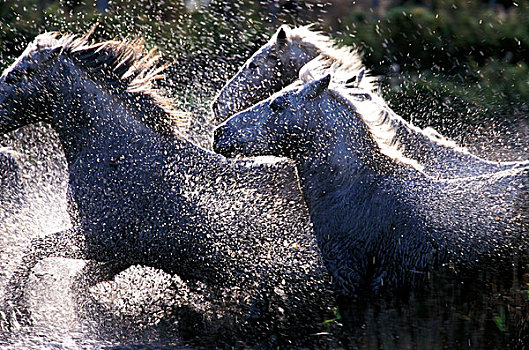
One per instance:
(12, 191)
(141, 194)
(381, 221)
(278, 63)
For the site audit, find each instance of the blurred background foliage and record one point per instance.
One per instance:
(440, 61)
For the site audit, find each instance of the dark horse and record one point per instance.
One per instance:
(141, 194)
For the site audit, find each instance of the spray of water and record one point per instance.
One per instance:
(205, 42)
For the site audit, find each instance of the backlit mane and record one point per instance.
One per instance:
(308, 39)
(385, 126)
(126, 66)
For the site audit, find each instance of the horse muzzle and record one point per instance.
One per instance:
(6, 121)
(15, 112)
(222, 143)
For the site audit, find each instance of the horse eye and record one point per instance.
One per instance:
(252, 65)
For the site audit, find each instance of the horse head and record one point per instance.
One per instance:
(62, 79)
(330, 105)
(25, 83)
(279, 126)
(271, 68)
(276, 65)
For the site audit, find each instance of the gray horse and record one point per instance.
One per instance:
(274, 66)
(9, 175)
(380, 221)
(278, 63)
(141, 194)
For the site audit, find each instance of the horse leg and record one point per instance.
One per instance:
(93, 273)
(69, 243)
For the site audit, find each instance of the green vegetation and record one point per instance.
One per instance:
(470, 53)
(466, 52)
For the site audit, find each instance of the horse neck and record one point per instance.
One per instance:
(90, 117)
(340, 162)
(439, 158)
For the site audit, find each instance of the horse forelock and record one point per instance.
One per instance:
(125, 65)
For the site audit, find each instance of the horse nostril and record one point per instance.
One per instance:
(215, 108)
(219, 112)
(217, 133)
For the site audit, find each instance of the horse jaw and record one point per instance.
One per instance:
(225, 144)
(231, 141)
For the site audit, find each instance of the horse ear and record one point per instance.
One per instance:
(355, 80)
(282, 33)
(350, 81)
(319, 86)
(361, 75)
(281, 37)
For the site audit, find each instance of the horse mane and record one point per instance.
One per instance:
(349, 59)
(389, 130)
(127, 67)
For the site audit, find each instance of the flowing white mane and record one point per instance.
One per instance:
(390, 131)
(312, 41)
(126, 65)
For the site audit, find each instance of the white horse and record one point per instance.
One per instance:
(142, 194)
(381, 222)
(277, 64)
